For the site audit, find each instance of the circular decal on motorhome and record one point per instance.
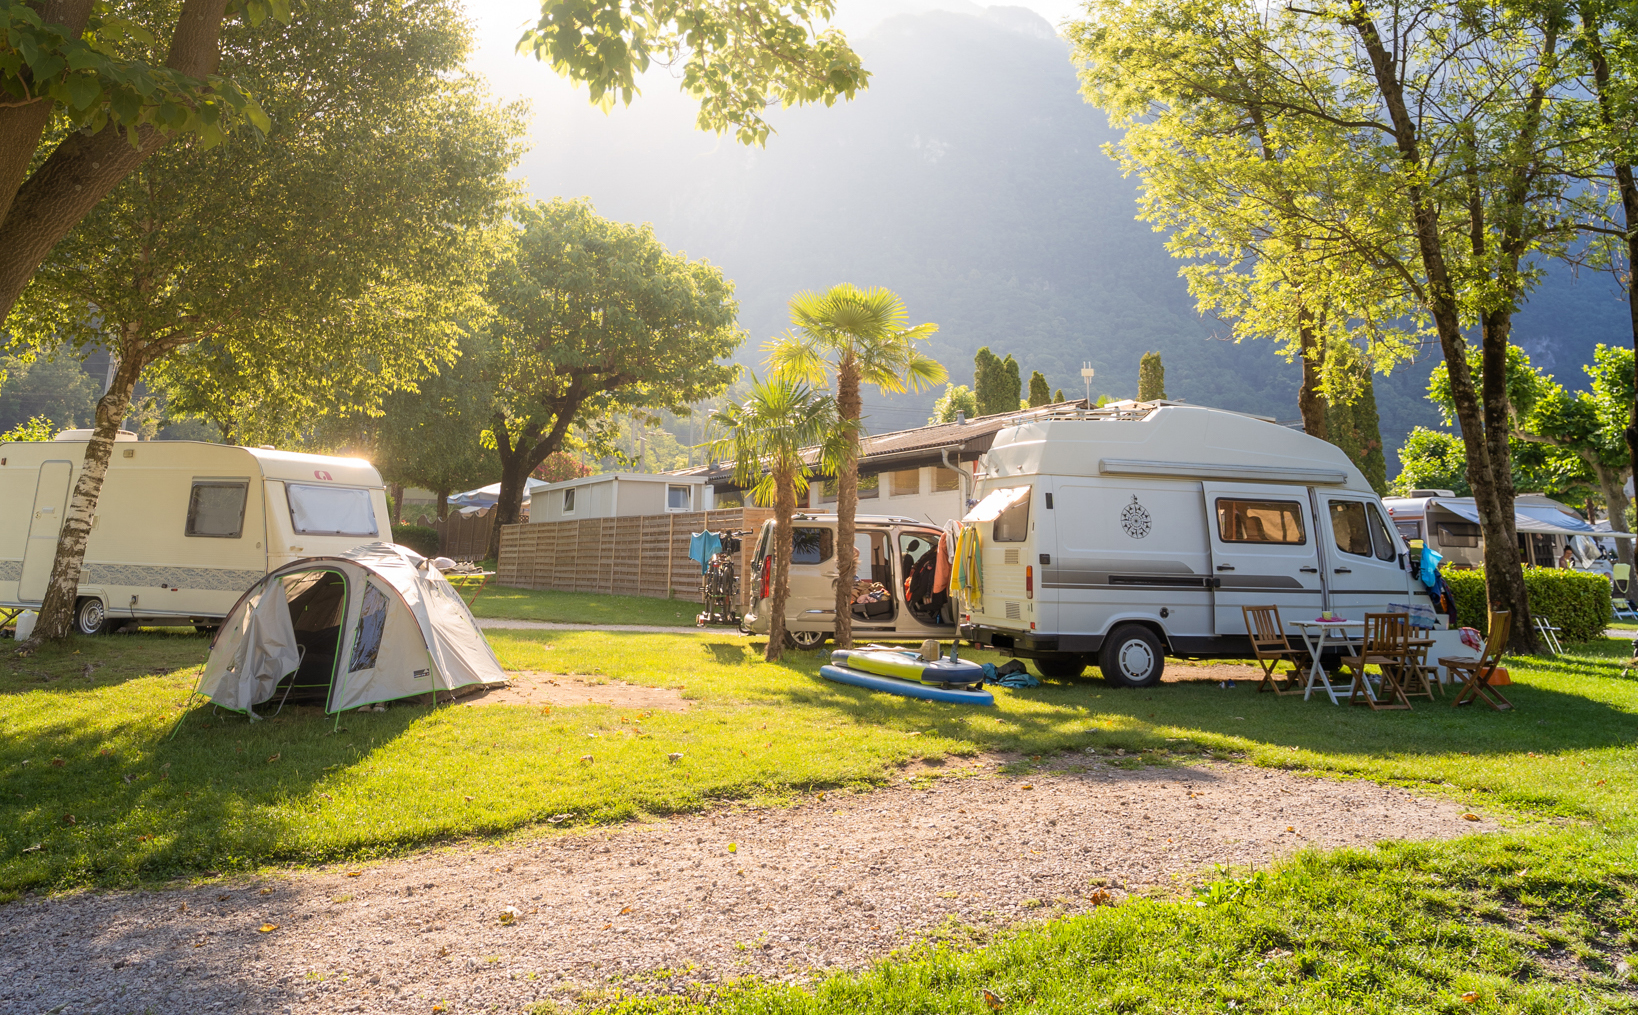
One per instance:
(1134, 518)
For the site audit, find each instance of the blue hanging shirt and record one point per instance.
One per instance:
(701, 546)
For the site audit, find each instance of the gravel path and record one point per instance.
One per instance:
(832, 882)
(552, 625)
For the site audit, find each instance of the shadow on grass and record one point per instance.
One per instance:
(87, 663)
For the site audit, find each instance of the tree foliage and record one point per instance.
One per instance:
(996, 382)
(592, 318)
(1151, 378)
(956, 398)
(1432, 460)
(1354, 425)
(1040, 393)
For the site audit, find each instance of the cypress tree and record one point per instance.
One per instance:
(1356, 428)
(1151, 378)
(1039, 392)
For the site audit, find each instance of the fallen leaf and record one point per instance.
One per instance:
(1291, 828)
(991, 998)
(733, 847)
(1470, 997)
(510, 914)
(57, 762)
(35, 848)
(1470, 816)
(129, 778)
(267, 928)
(182, 908)
(68, 819)
(674, 757)
(105, 752)
(354, 874)
(913, 733)
(608, 926)
(467, 799)
(1101, 897)
(623, 912)
(266, 891)
(1027, 785)
(586, 758)
(272, 759)
(222, 898)
(554, 819)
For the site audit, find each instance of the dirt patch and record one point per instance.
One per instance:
(836, 881)
(537, 687)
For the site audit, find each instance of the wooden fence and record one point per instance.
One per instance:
(640, 555)
(462, 537)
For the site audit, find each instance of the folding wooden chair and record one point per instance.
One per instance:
(1476, 673)
(1386, 646)
(1414, 678)
(1270, 647)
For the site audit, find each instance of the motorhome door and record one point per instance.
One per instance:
(1363, 556)
(50, 505)
(1263, 552)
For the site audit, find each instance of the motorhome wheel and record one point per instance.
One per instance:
(1062, 664)
(805, 639)
(1131, 657)
(90, 617)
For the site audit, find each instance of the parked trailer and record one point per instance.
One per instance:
(182, 528)
(1117, 536)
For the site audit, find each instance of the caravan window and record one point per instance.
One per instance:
(330, 510)
(1458, 534)
(1260, 521)
(216, 508)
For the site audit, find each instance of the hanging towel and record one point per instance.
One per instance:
(941, 567)
(967, 578)
(701, 546)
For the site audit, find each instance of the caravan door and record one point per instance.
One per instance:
(1264, 552)
(50, 505)
(1363, 556)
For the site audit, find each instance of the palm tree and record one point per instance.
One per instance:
(765, 436)
(862, 335)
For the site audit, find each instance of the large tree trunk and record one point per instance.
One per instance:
(443, 504)
(62, 594)
(23, 123)
(515, 468)
(84, 167)
(1310, 403)
(784, 507)
(1504, 577)
(1613, 484)
(398, 503)
(847, 496)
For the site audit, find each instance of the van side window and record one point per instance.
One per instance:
(217, 509)
(812, 545)
(1387, 548)
(1012, 525)
(1348, 527)
(1260, 521)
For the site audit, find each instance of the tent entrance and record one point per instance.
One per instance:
(318, 609)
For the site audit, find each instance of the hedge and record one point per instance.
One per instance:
(1576, 601)
(420, 538)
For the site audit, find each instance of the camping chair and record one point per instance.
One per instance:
(1477, 672)
(1549, 634)
(1387, 647)
(1414, 678)
(1620, 591)
(1270, 647)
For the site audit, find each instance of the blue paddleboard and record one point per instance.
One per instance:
(870, 681)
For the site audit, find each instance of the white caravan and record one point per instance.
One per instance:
(1115, 536)
(182, 528)
(1450, 524)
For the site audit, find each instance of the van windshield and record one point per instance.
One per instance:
(330, 510)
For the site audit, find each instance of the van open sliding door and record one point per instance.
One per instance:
(50, 505)
(1264, 550)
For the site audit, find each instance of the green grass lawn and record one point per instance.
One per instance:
(91, 780)
(582, 608)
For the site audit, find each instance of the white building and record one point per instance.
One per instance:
(619, 494)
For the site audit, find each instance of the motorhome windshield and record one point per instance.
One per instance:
(330, 510)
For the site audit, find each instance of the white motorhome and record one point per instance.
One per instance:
(182, 528)
(1116, 536)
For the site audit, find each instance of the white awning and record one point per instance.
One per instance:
(995, 502)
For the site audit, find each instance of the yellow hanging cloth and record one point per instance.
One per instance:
(967, 577)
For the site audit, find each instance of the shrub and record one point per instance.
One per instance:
(420, 538)
(1576, 601)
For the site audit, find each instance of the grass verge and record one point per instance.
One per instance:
(504, 603)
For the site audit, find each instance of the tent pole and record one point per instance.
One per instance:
(185, 706)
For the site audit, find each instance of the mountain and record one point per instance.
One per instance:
(970, 179)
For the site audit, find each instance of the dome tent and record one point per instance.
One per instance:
(375, 623)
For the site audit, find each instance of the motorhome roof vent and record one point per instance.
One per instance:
(1433, 493)
(85, 435)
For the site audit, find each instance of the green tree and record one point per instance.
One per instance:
(80, 63)
(37, 429)
(863, 335)
(996, 382)
(331, 258)
(593, 318)
(1432, 460)
(1058, 396)
(1151, 378)
(1354, 426)
(956, 398)
(53, 384)
(432, 437)
(766, 437)
(1039, 392)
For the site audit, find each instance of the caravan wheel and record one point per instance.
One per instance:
(90, 617)
(1131, 657)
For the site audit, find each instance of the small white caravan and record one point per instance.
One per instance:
(182, 528)
(1115, 536)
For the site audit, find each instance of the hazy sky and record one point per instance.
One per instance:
(557, 104)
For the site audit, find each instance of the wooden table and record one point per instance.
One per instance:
(1316, 635)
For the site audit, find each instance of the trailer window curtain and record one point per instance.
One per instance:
(216, 509)
(330, 510)
(1260, 521)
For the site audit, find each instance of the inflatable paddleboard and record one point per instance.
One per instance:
(906, 666)
(873, 682)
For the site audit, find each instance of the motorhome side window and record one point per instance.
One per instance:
(330, 510)
(1260, 521)
(1465, 534)
(1387, 548)
(1012, 525)
(217, 509)
(1348, 527)
(811, 545)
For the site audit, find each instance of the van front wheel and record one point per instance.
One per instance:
(1131, 657)
(90, 617)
